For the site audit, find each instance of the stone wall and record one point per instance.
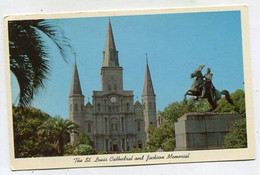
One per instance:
(196, 131)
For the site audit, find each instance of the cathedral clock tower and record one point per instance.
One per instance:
(111, 72)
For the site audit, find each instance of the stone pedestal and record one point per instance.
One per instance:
(197, 131)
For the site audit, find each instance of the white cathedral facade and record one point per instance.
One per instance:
(113, 121)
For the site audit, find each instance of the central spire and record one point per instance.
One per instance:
(110, 57)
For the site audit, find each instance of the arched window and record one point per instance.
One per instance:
(138, 126)
(127, 106)
(76, 107)
(82, 107)
(99, 107)
(70, 107)
(115, 86)
(109, 87)
(89, 128)
(150, 105)
(116, 127)
(112, 127)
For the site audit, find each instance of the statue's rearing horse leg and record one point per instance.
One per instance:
(191, 93)
(185, 98)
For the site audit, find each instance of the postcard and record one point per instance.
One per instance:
(118, 88)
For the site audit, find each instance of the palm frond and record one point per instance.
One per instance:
(52, 30)
(29, 56)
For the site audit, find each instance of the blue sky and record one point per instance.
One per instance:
(176, 45)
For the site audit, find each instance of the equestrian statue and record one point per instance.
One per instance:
(203, 88)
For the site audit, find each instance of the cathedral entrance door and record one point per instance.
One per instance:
(115, 147)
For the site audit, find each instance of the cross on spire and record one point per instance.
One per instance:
(146, 58)
(75, 58)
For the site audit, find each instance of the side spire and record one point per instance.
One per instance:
(148, 85)
(75, 85)
(110, 57)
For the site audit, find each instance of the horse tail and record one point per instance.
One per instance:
(228, 97)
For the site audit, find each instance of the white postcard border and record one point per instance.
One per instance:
(174, 157)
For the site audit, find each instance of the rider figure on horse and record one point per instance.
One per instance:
(207, 85)
(202, 87)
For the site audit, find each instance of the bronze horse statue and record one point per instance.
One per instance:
(211, 94)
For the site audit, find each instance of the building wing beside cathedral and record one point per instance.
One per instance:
(113, 121)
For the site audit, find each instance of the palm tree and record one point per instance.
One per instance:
(58, 130)
(29, 56)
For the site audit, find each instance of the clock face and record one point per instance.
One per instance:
(113, 99)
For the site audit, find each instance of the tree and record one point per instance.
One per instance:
(177, 109)
(84, 149)
(162, 137)
(58, 130)
(237, 137)
(83, 138)
(29, 56)
(26, 141)
(83, 146)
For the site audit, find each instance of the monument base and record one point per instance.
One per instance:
(200, 131)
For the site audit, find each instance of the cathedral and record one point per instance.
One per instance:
(113, 121)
